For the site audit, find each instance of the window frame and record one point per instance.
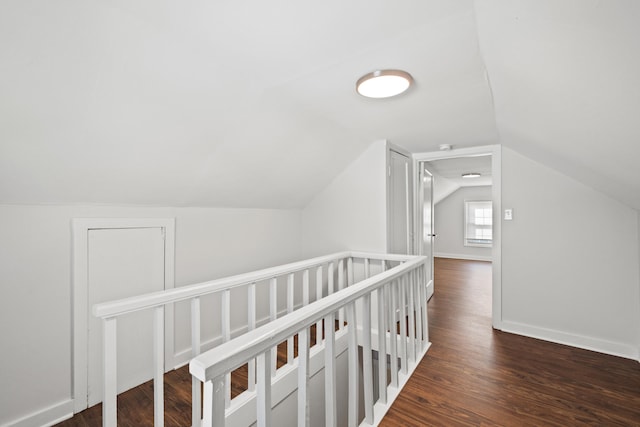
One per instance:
(471, 241)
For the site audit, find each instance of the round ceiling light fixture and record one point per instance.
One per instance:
(384, 83)
(471, 175)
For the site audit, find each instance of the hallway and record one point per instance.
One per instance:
(473, 375)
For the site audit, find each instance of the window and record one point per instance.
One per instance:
(478, 222)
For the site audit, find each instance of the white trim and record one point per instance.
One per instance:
(463, 256)
(80, 228)
(398, 149)
(410, 197)
(496, 195)
(574, 340)
(479, 151)
(46, 417)
(429, 290)
(418, 220)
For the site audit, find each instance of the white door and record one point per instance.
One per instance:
(123, 262)
(400, 206)
(426, 201)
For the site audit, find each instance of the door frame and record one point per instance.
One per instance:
(80, 228)
(496, 195)
(410, 197)
(418, 222)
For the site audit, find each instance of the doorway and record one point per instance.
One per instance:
(421, 163)
(114, 259)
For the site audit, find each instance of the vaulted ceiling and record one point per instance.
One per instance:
(252, 103)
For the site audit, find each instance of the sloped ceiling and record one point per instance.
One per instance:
(565, 76)
(252, 104)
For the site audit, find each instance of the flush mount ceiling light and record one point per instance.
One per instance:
(384, 83)
(471, 175)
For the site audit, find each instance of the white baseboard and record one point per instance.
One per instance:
(463, 256)
(46, 417)
(580, 341)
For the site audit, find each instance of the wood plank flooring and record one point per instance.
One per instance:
(471, 376)
(475, 376)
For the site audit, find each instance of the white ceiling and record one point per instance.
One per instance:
(252, 104)
(453, 169)
(565, 77)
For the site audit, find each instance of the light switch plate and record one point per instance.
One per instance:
(508, 214)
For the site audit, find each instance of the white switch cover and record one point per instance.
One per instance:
(508, 214)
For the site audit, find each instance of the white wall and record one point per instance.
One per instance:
(449, 224)
(570, 270)
(442, 187)
(350, 213)
(35, 280)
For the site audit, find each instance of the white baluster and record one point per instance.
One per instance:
(290, 282)
(207, 406)
(273, 314)
(110, 373)
(425, 317)
(158, 366)
(330, 290)
(350, 272)
(391, 290)
(305, 287)
(412, 316)
(403, 323)
(263, 394)
(225, 313)
(331, 417)
(367, 362)
(341, 285)
(196, 395)
(214, 402)
(353, 365)
(319, 297)
(251, 324)
(382, 346)
(330, 278)
(418, 310)
(304, 419)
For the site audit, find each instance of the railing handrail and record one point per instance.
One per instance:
(155, 299)
(232, 354)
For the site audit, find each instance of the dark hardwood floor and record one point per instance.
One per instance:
(471, 376)
(475, 376)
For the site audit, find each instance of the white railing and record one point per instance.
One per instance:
(324, 276)
(400, 301)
